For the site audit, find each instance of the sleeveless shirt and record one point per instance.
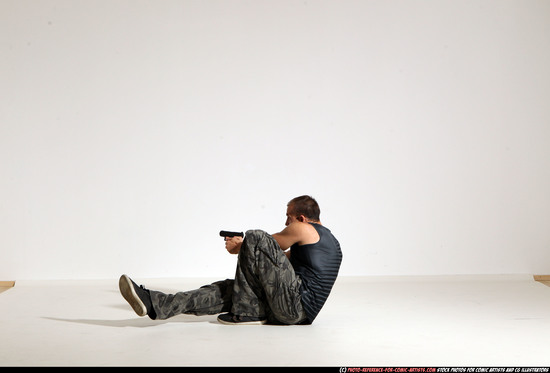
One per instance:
(317, 265)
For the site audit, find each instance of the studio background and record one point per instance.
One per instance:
(132, 131)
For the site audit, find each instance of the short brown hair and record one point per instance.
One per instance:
(307, 206)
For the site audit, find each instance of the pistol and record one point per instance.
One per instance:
(231, 234)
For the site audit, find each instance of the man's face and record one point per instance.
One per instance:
(290, 217)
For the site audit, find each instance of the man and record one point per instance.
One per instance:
(284, 278)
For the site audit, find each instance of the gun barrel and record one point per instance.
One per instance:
(231, 234)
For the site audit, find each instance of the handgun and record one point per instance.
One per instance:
(231, 234)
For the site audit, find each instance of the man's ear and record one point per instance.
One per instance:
(302, 219)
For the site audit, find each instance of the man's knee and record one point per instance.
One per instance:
(259, 249)
(256, 239)
(255, 236)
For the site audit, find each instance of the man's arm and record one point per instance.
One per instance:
(296, 232)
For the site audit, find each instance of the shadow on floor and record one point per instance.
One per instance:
(143, 322)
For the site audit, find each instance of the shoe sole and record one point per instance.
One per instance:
(259, 322)
(129, 293)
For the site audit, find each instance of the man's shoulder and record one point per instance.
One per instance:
(299, 226)
(305, 232)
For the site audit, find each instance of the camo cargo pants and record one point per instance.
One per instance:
(265, 286)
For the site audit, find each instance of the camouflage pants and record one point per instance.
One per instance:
(265, 286)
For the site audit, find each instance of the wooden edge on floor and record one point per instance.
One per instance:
(542, 278)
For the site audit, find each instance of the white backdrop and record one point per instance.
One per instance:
(133, 131)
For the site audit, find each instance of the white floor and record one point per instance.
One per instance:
(433, 321)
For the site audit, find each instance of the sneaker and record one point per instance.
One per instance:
(231, 319)
(137, 296)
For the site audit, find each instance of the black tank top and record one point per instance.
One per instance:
(317, 265)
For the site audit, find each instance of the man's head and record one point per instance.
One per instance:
(304, 209)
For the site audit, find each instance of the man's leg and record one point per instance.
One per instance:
(207, 300)
(266, 286)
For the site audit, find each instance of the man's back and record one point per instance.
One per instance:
(317, 264)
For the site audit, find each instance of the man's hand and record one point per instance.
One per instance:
(233, 244)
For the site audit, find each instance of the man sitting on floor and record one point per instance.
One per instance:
(271, 284)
